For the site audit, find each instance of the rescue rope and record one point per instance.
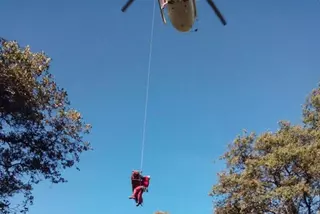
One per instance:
(147, 87)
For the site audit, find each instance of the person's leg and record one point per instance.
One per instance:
(135, 192)
(141, 201)
(139, 196)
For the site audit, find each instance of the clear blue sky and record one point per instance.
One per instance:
(205, 88)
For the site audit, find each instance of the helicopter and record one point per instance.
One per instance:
(182, 13)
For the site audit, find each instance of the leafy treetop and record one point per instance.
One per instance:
(274, 172)
(40, 134)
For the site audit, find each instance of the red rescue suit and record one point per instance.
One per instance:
(138, 191)
(146, 181)
(138, 195)
(136, 178)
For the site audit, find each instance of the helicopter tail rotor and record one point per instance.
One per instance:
(125, 7)
(217, 11)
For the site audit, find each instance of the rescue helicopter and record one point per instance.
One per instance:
(182, 13)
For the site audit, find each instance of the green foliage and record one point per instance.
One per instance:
(39, 133)
(274, 172)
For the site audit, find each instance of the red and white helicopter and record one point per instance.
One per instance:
(182, 13)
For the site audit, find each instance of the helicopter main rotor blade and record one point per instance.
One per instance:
(125, 7)
(217, 11)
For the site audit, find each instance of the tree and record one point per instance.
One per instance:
(274, 172)
(40, 134)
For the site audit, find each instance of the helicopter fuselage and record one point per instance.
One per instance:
(182, 14)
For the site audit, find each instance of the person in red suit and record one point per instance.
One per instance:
(138, 190)
(136, 179)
